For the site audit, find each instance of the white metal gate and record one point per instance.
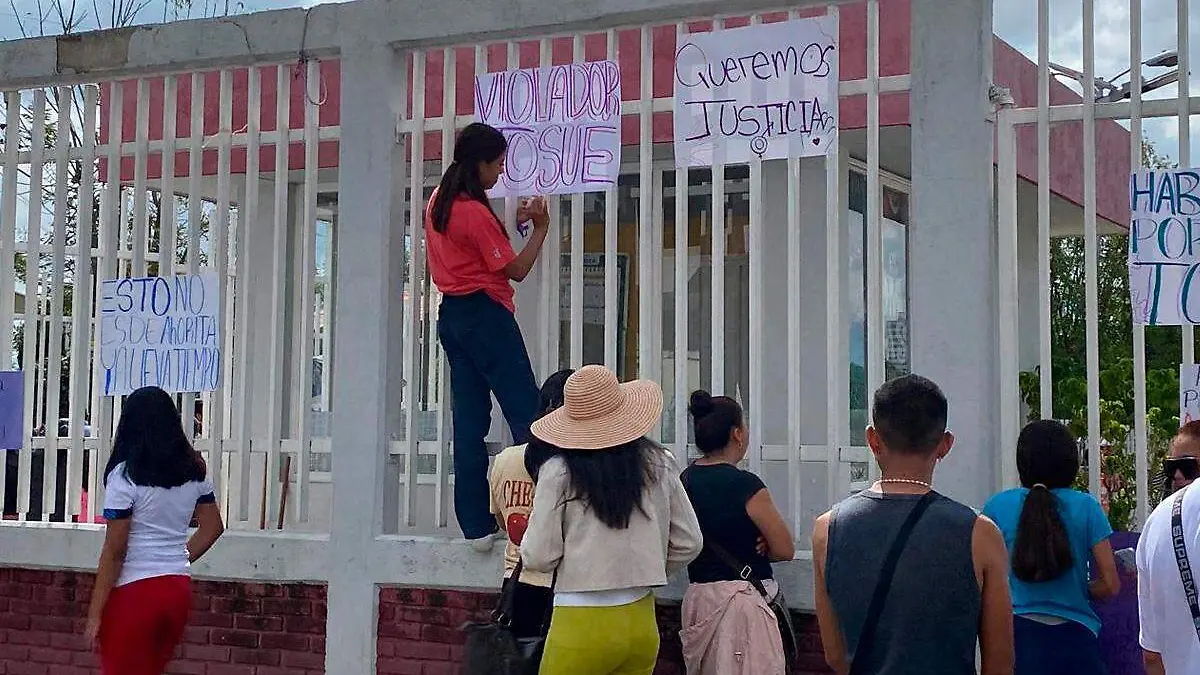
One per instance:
(1100, 103)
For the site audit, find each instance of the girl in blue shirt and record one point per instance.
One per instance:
(1053, 533)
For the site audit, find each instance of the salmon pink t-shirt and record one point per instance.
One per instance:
(471, 255)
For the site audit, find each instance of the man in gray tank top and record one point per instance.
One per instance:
(949, 590)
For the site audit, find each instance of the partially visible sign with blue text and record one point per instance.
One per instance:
(160, 331)
(768, 91)
(1164, 247)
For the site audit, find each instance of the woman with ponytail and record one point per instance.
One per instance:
(472, 262)
(1059, 539)
(729, 627)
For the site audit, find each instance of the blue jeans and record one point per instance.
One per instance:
(487, 355)
(1066, 649)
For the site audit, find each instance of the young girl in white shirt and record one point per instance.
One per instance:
(155, 485)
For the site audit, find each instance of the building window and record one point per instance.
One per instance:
(897, 360)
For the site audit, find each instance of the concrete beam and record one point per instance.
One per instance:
(240, 556)
(954, 298)
(283, 35)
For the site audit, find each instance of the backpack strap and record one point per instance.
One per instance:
(879, 597)
(1179, 544)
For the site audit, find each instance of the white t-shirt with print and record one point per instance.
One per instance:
(1166, 620)
(160, 517)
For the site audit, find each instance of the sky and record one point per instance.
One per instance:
(1015, 22)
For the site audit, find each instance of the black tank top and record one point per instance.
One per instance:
(930, 621)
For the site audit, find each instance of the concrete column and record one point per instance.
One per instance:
(952, 244)
(366, 371)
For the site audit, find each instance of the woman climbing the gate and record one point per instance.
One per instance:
(472, 262)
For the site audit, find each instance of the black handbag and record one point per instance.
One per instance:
(492, 649)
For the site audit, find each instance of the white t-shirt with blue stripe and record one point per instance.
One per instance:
(160, 518)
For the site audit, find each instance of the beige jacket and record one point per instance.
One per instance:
(590, 556)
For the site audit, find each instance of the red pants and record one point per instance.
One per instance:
(142, 625)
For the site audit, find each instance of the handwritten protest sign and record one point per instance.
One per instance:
(563, 125)
(1164, 247)
(768, 91)
(12, 409)
(1189, 393)
(160, 331)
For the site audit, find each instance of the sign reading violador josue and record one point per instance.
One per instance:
(160, 331)
(563, 125)
(1164, 247)
(767, 91)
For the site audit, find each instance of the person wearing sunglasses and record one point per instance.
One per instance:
(1182, 465)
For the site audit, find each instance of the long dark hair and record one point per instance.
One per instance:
(151, 443)
(550, 398)
(612, 481)
(476, 144)
(713, 419)
(1047, 459)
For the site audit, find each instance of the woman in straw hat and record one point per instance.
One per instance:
(612, 522)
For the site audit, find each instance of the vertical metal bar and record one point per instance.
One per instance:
(577, 252)
(551, 260)
(56, 316)
(1184, 120)
(279, 247)
(81, 304)
(33, 292)
(445, 409)
(1010, 401)
(167, 216)
(646, 318)
(307, 266)
(81, 311)
(682, 232)
(195, 210)
(612, 301)
(756, 316)
(214, 414)
(141, 153)
(717, 290)
(876, 370)
(1141, 447)
(837, 402)
(416, 273)
(793, 339)
(8, 245)
(110, 215)
(248, 212)
(1090, 245)
(756, 308)
(1045, 352)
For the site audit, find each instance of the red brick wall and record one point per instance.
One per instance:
(236, 628)
(418, 633)
(275, 629)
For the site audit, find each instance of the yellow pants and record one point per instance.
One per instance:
(620, 640)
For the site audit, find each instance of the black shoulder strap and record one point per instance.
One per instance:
(1179, 543)
(875, 609)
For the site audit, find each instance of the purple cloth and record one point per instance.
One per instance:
(1119, 619)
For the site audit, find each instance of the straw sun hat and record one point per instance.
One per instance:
(598, 412)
